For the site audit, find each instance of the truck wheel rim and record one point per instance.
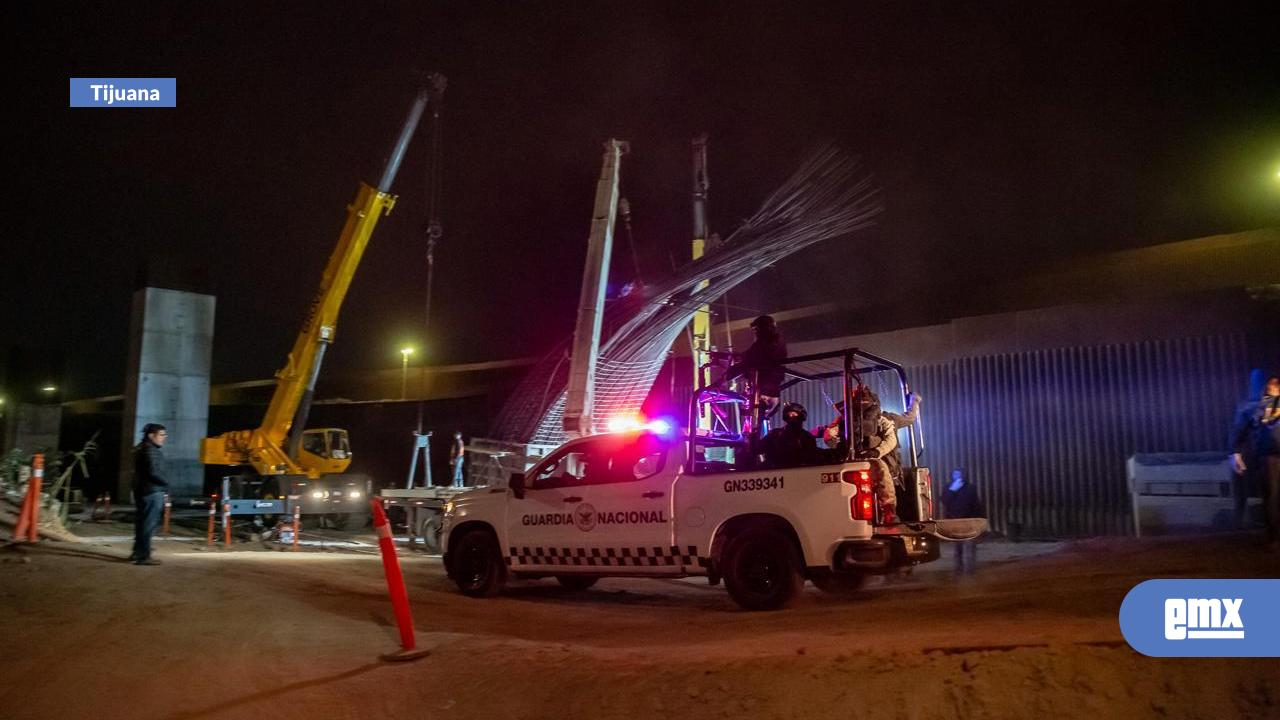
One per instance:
(475, 566)
(761, 573)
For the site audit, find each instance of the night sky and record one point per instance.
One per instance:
(1004, 135)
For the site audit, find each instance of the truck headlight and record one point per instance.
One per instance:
(354, 494)
(317, 494)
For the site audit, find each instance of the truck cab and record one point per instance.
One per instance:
(658, 501)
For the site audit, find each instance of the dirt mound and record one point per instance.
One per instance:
(50, 525)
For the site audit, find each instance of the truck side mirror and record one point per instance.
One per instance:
(516, 483)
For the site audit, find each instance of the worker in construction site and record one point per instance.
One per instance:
(457, 453)
(763, 362)
(150, 483)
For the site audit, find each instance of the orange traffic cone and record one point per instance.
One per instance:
(29, 518)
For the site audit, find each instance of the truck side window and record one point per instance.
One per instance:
(561, 470)
(638, 460)
(721, 457)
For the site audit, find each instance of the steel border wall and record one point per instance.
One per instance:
(1046, 433)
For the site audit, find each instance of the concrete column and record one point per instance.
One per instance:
(170, 343)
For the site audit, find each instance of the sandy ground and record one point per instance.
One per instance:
(257, 633)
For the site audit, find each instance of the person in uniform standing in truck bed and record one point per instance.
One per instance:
(149, 486)
(876, 440)
(764, 357)
(790, 445)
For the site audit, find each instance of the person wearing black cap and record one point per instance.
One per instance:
(764, 358)
(149, 486)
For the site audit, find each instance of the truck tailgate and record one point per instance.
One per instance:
(958, 529)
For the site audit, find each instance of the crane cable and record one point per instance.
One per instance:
(434, 229)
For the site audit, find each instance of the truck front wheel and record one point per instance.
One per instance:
(762, 570)
(478, 567)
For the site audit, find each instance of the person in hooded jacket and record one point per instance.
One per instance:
(961, 500)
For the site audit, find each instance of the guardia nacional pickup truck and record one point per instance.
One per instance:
(663, 502)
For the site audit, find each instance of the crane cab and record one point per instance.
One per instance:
(324, 451)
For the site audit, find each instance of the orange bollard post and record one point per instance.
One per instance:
(167, 505)
(297, 524)
(30, 515)
(106, 513)
(93, 512)
(213, 507)
(395, 587)
(37, 481)
(226, 523)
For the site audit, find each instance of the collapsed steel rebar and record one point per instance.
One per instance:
(830, 195)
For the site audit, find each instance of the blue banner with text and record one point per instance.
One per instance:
(1203, 618)
(124, 92)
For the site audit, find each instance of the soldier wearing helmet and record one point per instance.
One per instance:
(762, 362)
(790, 445)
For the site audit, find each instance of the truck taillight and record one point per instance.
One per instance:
(926, 491)
(853, 477)
(862, 502)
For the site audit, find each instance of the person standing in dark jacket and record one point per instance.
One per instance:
(150, 483)
(1248, 476)
(960, 500)
(1262, 436)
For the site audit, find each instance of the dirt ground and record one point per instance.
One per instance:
(257, 633)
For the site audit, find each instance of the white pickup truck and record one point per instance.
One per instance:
(650, 503)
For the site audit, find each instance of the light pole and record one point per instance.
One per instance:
(405, 352)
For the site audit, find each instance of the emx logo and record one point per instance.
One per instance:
(1203, 618)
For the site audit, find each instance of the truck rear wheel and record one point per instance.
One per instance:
(762, 570)
(427, 527)
(478, 568)
(576, 582)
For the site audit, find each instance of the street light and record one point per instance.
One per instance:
(405, 352)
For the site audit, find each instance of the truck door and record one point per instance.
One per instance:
(541, 531)
(624, 517)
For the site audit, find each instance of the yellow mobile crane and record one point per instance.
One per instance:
(280, 451)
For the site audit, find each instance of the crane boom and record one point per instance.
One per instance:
(580, 392)
(264, 447)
